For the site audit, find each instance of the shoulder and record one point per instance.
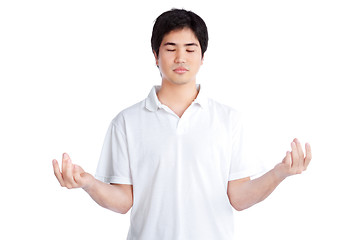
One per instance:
(130, 113)
(224, 110)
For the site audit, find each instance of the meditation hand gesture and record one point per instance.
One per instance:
(72, 175)
(294, 161)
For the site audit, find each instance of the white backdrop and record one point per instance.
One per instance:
(68, 67)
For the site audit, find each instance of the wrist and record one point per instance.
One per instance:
(278, 174)
(89, 181)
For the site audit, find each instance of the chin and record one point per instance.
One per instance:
(182, 81)
(179, 81)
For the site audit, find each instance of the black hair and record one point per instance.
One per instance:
(179, 19)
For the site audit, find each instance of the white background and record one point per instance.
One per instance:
(68, 67)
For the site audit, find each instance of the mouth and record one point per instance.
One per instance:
(180, 70)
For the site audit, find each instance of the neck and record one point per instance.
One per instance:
(177, 94)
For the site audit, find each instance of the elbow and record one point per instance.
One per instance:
(236, 205)
(240, 205)
(120, 208)
(127, 206)
(237, 208)
(124, 209)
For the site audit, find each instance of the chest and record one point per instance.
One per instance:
(172, 147)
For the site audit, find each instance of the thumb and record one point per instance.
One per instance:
(78, 169)
(79, 176)
(82, 178)
(287, 159)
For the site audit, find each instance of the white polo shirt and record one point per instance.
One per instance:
(179, 167)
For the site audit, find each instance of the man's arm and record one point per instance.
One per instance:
(243, 193)
(117, 197)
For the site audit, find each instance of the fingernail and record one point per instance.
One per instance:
(65, 156)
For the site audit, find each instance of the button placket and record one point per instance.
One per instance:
(180, 126)
(183, 121)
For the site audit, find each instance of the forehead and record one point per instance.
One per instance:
(180, 36)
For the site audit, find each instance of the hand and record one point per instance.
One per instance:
(294, 161)
(72, 176)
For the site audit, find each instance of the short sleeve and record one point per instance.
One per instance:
(114, 166)
(241, 165)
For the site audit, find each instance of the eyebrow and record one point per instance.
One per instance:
(174, 44)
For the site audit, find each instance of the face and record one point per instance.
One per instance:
(179, 57)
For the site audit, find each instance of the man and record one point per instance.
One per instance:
(176, 157)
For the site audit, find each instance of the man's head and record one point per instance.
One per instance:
(179, 41)
(177, 19)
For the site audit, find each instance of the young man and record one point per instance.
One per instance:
(176, 157)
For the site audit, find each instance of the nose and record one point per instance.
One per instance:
(180, 57)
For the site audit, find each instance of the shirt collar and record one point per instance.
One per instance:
(152, 102)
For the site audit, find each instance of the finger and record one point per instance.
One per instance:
(294, 156)
(308, 155)
(63, 164)
(58, 173)
(67, 171)
(300, 153)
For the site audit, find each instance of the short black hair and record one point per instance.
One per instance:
(179, 19)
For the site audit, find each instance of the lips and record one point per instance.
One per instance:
(180, 70)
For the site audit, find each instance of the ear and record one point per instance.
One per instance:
(156, 58)
(202, 60)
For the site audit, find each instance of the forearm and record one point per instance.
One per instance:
(109, 196)
(243, 195)
(117, 197)
(254, 191)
